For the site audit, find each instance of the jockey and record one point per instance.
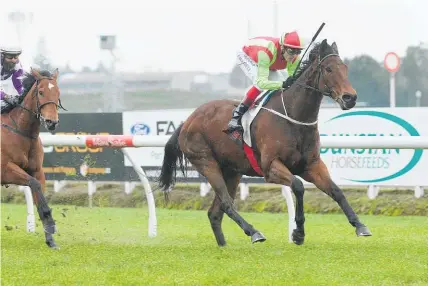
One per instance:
(262, 59)
(11, 88)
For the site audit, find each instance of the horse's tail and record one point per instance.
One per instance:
(172, 154)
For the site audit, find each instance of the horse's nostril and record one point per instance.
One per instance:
(51, 122)
(347, 98)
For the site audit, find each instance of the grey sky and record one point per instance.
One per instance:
(203, 35)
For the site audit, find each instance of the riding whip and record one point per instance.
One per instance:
(313, 39)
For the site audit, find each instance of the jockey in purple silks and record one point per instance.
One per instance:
(11, 89)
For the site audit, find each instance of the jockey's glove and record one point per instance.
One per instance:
(288, 82)
(12, 99)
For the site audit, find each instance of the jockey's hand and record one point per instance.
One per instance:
(288, 82)
(11, 99)
(6, 96)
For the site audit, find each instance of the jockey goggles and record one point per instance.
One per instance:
(293, 52)
(10, 56)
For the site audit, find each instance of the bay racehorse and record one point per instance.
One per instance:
(286, 144)
(21, 148)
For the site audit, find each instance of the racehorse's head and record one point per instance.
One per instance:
(47, 95)
(334, 76)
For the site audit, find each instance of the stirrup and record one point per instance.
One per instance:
(236, 137)
(233, 127)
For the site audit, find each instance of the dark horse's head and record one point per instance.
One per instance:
(332, 76)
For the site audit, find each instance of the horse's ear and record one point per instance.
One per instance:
(334, 48)
(35, 72)
(55, 74)
(323, 48)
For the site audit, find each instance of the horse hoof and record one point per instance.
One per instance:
(52, 245)
(257, 237)
(363, 231)
(298, 237)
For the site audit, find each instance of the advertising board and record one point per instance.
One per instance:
(84, 163)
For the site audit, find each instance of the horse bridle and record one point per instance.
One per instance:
(37, 113)
(326, 90)
(323, 92)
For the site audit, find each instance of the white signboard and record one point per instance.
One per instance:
(347, 166)
(153, 122)
(375, 166)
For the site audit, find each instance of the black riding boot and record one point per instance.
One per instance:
(234, 128)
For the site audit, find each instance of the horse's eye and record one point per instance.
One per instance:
(40, 93)
(328, 69)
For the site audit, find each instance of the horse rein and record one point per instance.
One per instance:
(36, 113)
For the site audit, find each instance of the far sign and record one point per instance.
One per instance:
(392, 62)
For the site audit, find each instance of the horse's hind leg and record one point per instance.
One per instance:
(215, 213)
(318, 175)
(43, 208)
(209, 168)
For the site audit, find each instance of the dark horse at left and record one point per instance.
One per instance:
(286, 144)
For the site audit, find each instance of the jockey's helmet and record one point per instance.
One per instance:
(291, 40)
(15, 51)
(9, 52)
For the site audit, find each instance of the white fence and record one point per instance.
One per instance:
(125, 141)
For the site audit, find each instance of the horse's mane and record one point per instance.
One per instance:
(29, 80)
(313, 54)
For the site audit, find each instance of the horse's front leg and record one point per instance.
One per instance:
(278, 173)
(13, 174)
(318, 174)
(43, 209)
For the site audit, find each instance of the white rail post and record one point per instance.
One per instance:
(31, 220)
(204, 189)
(244, 191)
(286, 192)
(129, 187)
(149, 194)
(92, 188)
(59, 185)
(419, 192)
